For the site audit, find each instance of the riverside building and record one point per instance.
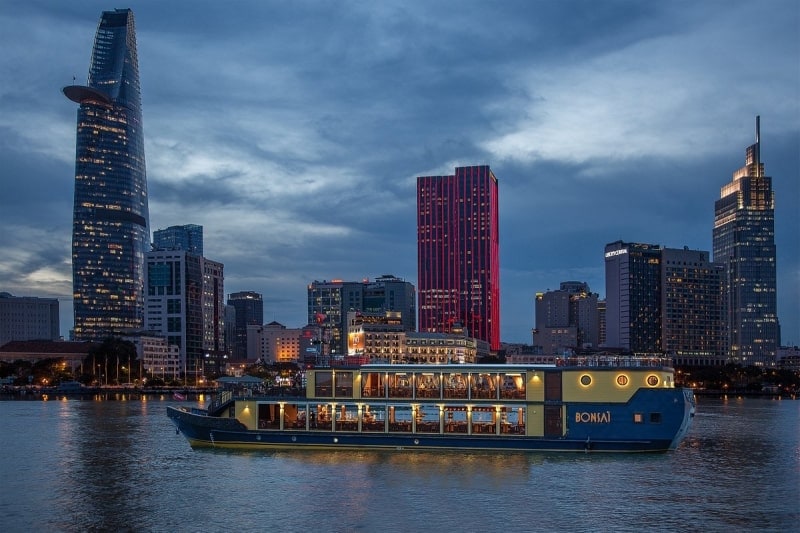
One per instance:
(664, 301)
(25, 318)
(329, 303)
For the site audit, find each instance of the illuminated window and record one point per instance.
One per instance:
(638, 418)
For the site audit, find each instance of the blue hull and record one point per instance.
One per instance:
(205, 431)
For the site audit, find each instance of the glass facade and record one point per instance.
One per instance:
(744, 243)
(633, 296)
(188, 237)
(110, 232)
(693, 330)
(458, 253)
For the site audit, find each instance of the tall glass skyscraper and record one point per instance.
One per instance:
(458, 258)
(110, 232)
(744, 243)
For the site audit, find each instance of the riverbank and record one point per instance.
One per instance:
(49, 393)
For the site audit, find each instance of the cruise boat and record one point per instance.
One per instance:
(597, 404)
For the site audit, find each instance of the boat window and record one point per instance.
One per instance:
(268, 416)
(399, 385)
(319, 417)
(512, 385)
(344, 384)
(484, 386)
(427, 418)
(655, 418)
(372, 385)
(400, 418)
(373, 418)
(455, 419)
(455, 385)
(638, 418)
(294, 417)
(347, 417)
(512, 420)
(428, 385)
(323, 383)
(484, 420)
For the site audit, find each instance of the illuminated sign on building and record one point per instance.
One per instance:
(616, 252)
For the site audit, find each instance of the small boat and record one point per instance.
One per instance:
(596, 404)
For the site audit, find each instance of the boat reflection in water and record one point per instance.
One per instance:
(603, 404)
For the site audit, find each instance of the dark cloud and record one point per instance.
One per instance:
(293, 132)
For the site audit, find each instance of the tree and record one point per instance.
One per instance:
(105, 360)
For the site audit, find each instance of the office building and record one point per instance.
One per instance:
(185, 304)
(174, 305)
(110, 234)
(216, 357)
(249, 311)
(188, 237)
(633, 297)
(692, 311)
(25, 318)
(744, 243)
(664, 301)
(566, 319)
(458, 261)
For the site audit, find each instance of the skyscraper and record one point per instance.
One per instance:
(663, 300)
(458, 246)
(110, 232)
(633, 296)
(744, 243)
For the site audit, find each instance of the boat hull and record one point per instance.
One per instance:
(204, 431)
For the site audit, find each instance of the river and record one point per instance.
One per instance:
(118, 465)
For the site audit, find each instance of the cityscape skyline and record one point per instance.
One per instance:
(300, 158)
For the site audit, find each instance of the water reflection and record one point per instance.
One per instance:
(118, 464)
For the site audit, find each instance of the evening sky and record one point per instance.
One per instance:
(293, 132)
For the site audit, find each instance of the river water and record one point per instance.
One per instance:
(118, 465)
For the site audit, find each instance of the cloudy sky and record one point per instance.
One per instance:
(293, 132)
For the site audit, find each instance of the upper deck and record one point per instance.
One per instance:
(612, 377)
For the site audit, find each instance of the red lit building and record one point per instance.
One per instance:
(458, 261)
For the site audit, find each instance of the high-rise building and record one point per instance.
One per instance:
(249, 311)
(110, 234)
(664, 300)
(188, 237)
(25, 318)
(692, 311)
(744, 243)
(633, 297)
(214, 314)
(174, 306)
(458, 260)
